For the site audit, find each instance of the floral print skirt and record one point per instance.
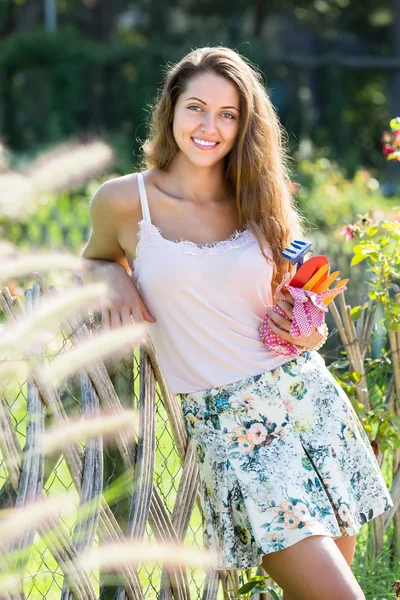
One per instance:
(282, 456)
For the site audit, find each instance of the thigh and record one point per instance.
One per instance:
(347, 546)
(312, 569)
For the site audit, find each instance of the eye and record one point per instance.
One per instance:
(193, 106)
(230, 114)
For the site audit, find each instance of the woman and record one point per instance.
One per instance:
(286, 471)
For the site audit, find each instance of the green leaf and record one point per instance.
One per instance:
(355, 313)
(357, 259)
(356, 376)
(247, 587)
(372, 230)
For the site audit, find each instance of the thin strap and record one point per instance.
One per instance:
(143, 198)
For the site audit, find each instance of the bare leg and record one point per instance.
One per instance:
(347, 546)
(315, 568)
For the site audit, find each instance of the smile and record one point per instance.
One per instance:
(204, 145)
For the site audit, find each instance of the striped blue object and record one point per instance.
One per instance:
(297, 252)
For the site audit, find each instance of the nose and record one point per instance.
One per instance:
(208, 122)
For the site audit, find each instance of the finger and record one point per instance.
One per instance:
(137, 315)
(304, 342)
(126, 317)
(147, 314)
(301, 348)
(288, 297)
(115, 318)
(280, 332)
(105, 318)
(279, 320)
(287, 308)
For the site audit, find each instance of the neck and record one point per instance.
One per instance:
(200, 185)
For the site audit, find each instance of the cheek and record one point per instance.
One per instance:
(183, 126)
(232, 133)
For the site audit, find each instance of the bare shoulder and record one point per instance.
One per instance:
(119, 195)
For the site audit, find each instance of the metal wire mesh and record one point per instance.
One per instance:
(43, 578)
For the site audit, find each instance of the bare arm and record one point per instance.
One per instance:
(104, 259)
(103, 250)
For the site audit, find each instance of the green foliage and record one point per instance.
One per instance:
(254, 585)
(60, 221)
(379, 246)
(60, 85)
(375, 575)
(329, 199)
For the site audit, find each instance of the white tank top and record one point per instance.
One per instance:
(209, 302)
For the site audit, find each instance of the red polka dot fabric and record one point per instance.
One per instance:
(308, 310)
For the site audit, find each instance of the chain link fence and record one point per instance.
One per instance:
(43, 577)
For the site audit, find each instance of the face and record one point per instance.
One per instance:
(206, 119)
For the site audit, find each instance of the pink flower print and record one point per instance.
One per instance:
(344, 513)
(257, 433)
(248, 400)
(289, 405)
(274, 538)
(281, 432)
(291, 521)
(239, 432)
(245, 445)
(301, 512)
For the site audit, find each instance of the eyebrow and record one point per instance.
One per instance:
(202, 101)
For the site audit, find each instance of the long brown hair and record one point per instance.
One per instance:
(256, 169)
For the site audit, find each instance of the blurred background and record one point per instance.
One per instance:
(76, 81)
(77, 78)
(72, 71)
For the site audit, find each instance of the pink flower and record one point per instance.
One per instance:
(348, 231)
(245, 445)
(387, 149)
(240, 432)
(257, 433)
(344, 513)
(301, 512)
(290, 520)
(289, 405)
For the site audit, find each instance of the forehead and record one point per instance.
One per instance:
(213, 89)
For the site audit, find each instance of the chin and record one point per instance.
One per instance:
(204, 161)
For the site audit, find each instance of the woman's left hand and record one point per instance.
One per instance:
(303, 342)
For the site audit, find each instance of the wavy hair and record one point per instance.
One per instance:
(256, 169)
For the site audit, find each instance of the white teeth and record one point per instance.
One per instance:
(203, 143)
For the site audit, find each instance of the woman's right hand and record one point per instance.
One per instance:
(122, 302)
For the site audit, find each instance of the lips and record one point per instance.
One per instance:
(205, 147)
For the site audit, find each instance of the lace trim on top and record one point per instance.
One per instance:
(153, 233)
(155, 238)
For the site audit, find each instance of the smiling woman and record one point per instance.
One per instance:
(220, 112)
(207, 124)
(287, 474)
